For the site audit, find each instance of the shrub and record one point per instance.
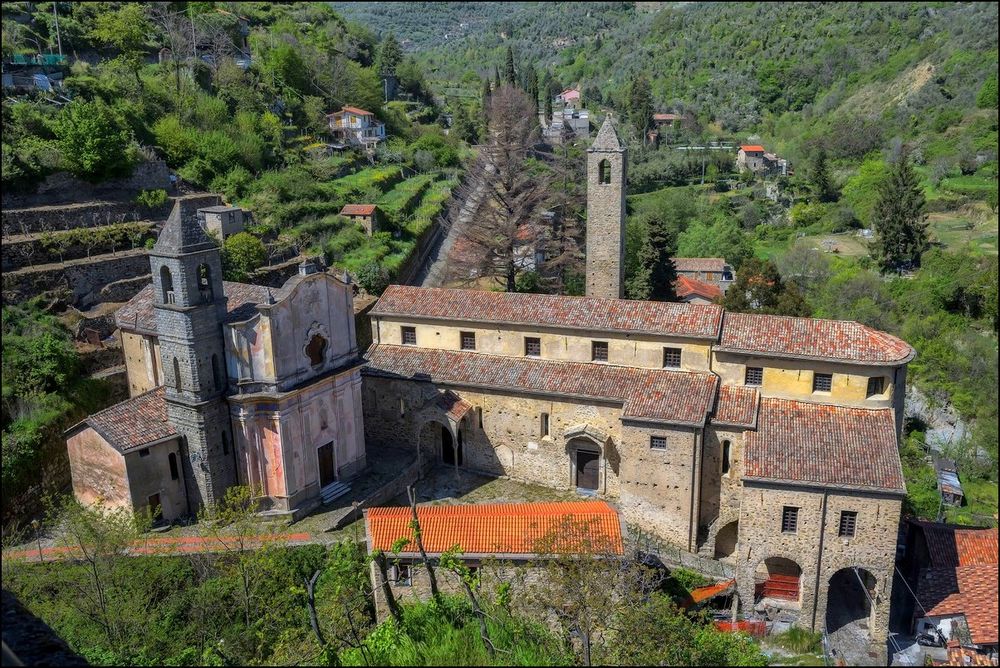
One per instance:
(373, 278)
(242, 254)
(178, 143)
(95, 140)
(152, 199)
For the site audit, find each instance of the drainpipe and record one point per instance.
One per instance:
(696, 490)
(819, 559)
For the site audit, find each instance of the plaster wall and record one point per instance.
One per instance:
(151, 475)
(143, 366)
(98, 470)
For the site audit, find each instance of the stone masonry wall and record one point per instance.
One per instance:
(82, 280)
(606, 226)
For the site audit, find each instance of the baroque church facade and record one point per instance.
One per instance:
(767, 442)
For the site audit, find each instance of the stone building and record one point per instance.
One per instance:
(515, 539)
(766, 441)
(366, 214)
(607, 171)
(231, 384)
(712, 270)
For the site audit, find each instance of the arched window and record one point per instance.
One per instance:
(177, 375)
(315, 350)
(205, 281)
(216, 373)
(726, 446)
(167, 285)
(225, 443)
(604, 171)
(172, 460)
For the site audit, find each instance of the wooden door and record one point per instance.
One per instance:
(327, 472)
(587, 469)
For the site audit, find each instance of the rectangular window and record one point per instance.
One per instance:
(545, 424)
(789, 519)
(480, 412)
(468, 340)
(876, 386)
(144, 452)
(599, 351)
(658, 442)
(726, 455)
(822, 382)
(402, 407)
(172, 460)
(671, 358)
(409, 336)
(754, 376)
(402, 576)
(532, 346)
(848, 523)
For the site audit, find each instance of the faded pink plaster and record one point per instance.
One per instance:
(274, 469)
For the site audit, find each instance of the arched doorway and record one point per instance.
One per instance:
(451, 453)
(849, 600)
(725, 541)
(779, 579)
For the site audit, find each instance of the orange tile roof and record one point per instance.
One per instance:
(133, 423)
(737, 406)
(824, 445)
(811, 338)
(358, 210)
(710, 591)
(965, 656)
(951, 546)
(965, 590)
(752, 147)
(453, 405)
(501, 528)
(355, 110)
(686, 286)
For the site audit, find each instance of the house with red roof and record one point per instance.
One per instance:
(510, 536)
(368, 215)
(569, 97)
(355, 127)
(693, 291)
(754, 158)
(712, 270)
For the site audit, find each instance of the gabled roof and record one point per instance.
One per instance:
(358, 209)
(666, 117)
(683, 264)
(354, 110)
(607, 137)
(182, 233)
(454, 406)
(951, 546)
(810, 338)
(747, 148)
(133, 423)
(591, 527)
(699, 321)
(685, 286)
(825, 446)
(965, 590)
(658, 395)
(137, 315)
(737, 406)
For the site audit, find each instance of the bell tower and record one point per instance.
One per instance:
(607, 165)
(190, 305)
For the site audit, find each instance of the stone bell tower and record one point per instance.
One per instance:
(190, 305)
(607, 165)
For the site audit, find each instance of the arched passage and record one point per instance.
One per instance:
(437, 444)
(778, 578)
(725, 540)
(848, 600)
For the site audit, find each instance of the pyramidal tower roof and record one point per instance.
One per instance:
(607, 138)
(183, 232)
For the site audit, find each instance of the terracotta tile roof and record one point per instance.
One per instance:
(825, 445)
(951, 546)
(737, 406)
(674, 397)
(699, 263)
(965, 590)
(501, 528)
(453, 405)
(752, 147)
(355, 110)
(588, 313)
(137, 314)
(685, 286)
(965, 656)
(666, 117)
(358, 210)
(133, 423)
(810, 338)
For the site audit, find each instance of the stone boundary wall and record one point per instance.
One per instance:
(81, 280)
(62, 187)
(53, 217)
(425, 244)
(17, 252)
(395, 487)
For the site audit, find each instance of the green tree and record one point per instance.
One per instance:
(899, 218)
(389, 57)
(758, 288)
(125, 29)
(822, 183)
(987, 96)
(640, 105)
(242, 253)
(95, 140)
(531, 87)
(723, 238)
(655, 274)
(373, 278)
(509, 76)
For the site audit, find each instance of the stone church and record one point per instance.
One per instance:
(764, 441)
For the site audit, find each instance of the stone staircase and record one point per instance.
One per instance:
(333, 491)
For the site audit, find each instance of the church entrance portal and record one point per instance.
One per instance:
(327, 471)
(587, 469)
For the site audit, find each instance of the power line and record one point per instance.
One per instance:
(872, 602)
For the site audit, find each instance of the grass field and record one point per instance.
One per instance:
(973, 226)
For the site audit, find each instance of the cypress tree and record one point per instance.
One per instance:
(640, 105)
(496, 78)
(655, 273)
(548, 106)
(509, 75)
(899, 219)
(823, 187)
(531, 79)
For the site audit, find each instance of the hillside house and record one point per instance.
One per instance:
(693, 291)
(753, 158)
(515, 535)
(711, 270)
(569, 97)
(356, 127)
(366, 214)
(666, 119)
(222, 221)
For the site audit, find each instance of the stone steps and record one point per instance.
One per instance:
(334, 491)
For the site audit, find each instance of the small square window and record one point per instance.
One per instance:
(789, 519)
(402, 575)
(532, 346)
(848, 523)
(144, 452)
(671, 358)
(876, 386)
(409, 336)
(468, 341)
(658, 442)
(754, 376)
(822, 382)
(599, 351)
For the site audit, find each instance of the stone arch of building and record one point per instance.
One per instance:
(726, 539)
(434, 434)
(582, 442)
(749, 588)
(852, 598)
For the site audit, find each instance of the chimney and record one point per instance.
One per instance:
(307, 267)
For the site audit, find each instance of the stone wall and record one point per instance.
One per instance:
(606, 224)
(50, 217)
(63, 187)
(81, 280)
